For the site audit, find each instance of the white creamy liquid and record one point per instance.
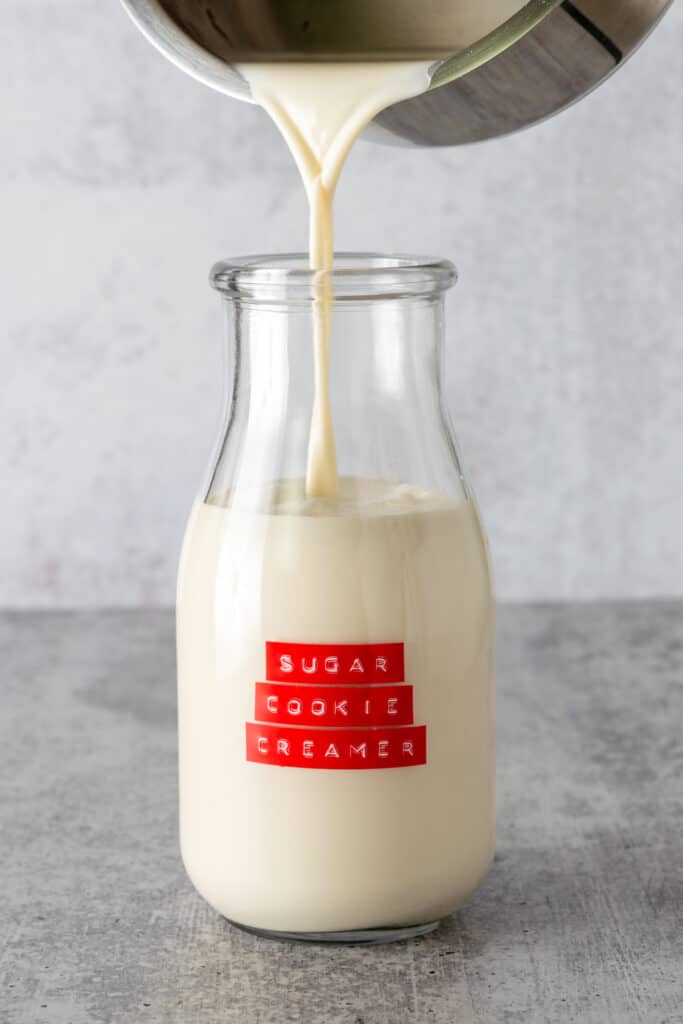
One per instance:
(306, 850)
(335, 562)
(321, 109)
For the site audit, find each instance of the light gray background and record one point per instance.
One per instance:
(123, 180)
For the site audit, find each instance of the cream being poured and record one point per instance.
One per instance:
(321, 109)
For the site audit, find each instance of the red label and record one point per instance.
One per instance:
(335, 706)
(335, 663)
(297, 704)
(295, 747)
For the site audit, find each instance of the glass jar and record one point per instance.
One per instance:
(335, 653)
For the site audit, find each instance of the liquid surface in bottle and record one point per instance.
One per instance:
(386, 590)
(321, 109)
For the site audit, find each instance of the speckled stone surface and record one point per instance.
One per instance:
(122, 181)
(580, 919)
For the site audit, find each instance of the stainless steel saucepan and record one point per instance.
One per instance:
(499, 65)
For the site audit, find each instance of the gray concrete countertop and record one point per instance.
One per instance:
(580, 919)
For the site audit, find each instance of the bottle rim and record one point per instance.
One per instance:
(357, 277)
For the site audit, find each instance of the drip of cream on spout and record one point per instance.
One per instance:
(321, 109)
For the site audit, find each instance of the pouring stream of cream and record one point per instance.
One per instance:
(321, 109)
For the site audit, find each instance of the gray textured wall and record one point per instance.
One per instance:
(122, 181)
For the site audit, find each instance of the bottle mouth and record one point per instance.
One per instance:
(356, 277)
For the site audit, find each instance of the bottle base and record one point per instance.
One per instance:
(365, 936)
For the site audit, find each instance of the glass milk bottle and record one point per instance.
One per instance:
(335, 648)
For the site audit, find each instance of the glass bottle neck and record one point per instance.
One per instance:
(350, 386)
(384, 388)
